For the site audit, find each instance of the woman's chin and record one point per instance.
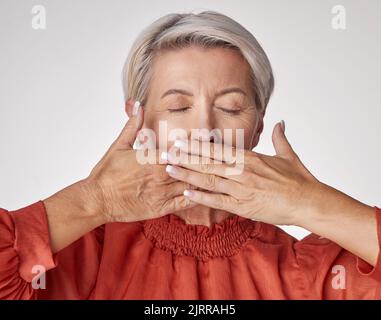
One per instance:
(202, 215)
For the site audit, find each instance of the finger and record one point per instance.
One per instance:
(281, 145)
(254, 162)
(151, 156)
(128, 135)
(216, 151)
(212, 200)
(176, 204)
(176, 188)
(204, 165)
(209, 182)
(263, 165)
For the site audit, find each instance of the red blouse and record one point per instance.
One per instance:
(165, 258)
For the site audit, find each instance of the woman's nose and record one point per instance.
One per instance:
(205, 116)
(204, 134)
(205, 123)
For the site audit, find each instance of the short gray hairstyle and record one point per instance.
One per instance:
(207, 29)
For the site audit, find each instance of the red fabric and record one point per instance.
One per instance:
(167, 259)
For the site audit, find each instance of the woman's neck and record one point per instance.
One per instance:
(202, 215)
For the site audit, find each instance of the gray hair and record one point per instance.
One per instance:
(206, 29)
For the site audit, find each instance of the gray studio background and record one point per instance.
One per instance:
(61, 102)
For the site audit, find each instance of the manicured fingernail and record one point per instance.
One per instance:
(180, 144)
(166, 156)
(135, 109)
(188, 193)
(283, 126)
(171, 169)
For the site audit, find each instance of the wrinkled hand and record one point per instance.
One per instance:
(126, 190)
(274, 189)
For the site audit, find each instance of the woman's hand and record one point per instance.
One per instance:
(117, 189)
(126, 190)
(273, 189)
(279, 190)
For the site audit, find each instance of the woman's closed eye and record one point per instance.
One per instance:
(233, 111)
(179, 109)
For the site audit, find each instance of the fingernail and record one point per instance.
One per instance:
(188, 193)
(171, 169)
(135, 109)
(283, 125)
(179, 144)
(166, 156)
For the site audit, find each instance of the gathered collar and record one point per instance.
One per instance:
(222, 239)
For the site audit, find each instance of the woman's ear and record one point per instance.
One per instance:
(128, 106)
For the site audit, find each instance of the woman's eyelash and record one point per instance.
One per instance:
(184, 109)
(179, 109)
(231, 111)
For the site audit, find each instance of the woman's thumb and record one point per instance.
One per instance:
(281, 145)
(128, 135)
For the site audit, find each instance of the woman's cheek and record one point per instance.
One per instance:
(241, 133)
(167, 130)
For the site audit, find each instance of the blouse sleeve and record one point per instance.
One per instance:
(331, 272)
(26, 255)
(24, 250)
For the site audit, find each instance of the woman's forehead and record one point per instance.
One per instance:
(194, 67)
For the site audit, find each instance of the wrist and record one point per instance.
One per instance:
(327, 205)
(71, 213)
(90, 200)
(317, 202)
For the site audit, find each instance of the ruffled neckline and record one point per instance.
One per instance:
(222, 239)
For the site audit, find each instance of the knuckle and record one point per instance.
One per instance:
(256, 160)
(256, 163)
(212, 151)
(159, 174)
(179, 203)
(184, 202)
(248, 177)
(221, 203)
(210, 182)
(217, 151)
(231, 154)
(187, 186)
(205, 167)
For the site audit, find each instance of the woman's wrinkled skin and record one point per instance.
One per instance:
(277, 185)
(186, 91)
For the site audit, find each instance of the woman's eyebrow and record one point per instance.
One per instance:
(231, 90)
(187, 93)
(176, 91)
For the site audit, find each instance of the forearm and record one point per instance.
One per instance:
(72, 212)
(345, 221)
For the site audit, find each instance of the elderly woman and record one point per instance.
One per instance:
(177, 229)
